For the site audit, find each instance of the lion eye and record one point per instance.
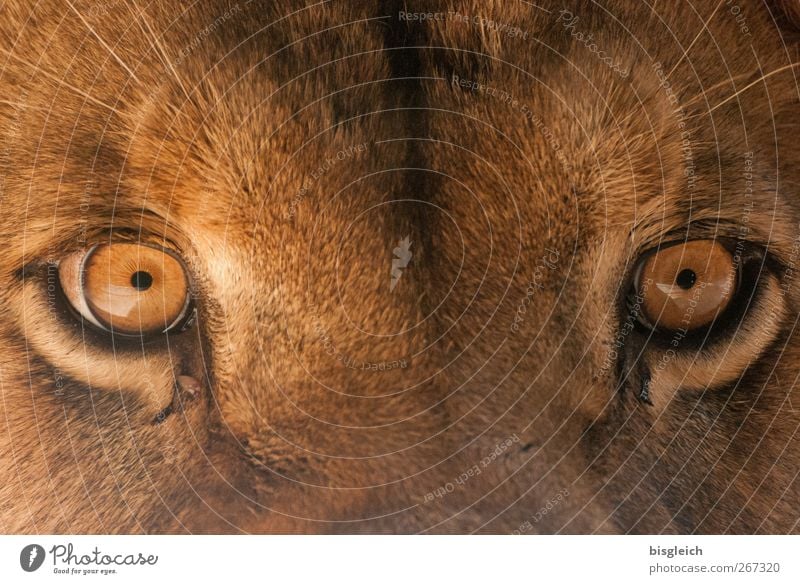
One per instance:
(127, 288)
(685, 286)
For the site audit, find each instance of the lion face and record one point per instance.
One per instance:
(290, 268)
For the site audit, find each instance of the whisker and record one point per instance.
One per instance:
(159, 49)
(20, 104)
(675, 66)
(749, 85)
(61, 82)
(699, 34)
(705, 91)
(102, 42)
(716, 86)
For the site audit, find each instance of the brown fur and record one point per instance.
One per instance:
(195, 128)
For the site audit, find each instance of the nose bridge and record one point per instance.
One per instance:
(328, 325)
(368, 294)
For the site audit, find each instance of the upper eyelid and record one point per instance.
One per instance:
(720, 228)
(746, 248)
(58, 250)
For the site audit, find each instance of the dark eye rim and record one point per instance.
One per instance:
(751, 262)
(182, 323)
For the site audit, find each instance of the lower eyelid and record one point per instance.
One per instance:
(710, 366)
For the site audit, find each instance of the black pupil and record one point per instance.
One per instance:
(141, 280)
(686, 279)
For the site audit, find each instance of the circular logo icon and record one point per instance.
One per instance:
(31, 557)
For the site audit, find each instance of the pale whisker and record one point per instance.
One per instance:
(680, 60)
(699, 34)
(61, 82)
(716, 86)
(160, 51)
(20, 104)
(102, 42)
(752, 84)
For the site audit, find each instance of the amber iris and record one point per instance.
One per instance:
(686, 286)
(127, 288)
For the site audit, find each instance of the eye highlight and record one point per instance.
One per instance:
(127, 288)
(686, 286)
